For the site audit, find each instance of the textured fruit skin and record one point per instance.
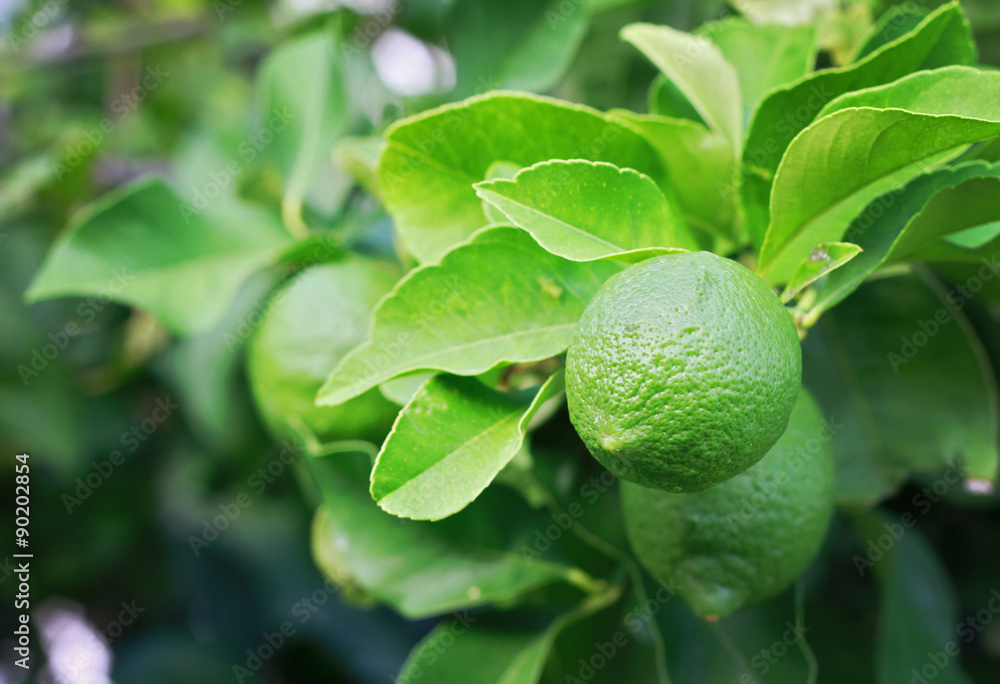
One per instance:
(748, 538)
(683, 371)
(311, 323)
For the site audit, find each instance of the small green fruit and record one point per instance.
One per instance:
(311, 323)
(748, 538)
(683, 372)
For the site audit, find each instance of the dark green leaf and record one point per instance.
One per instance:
(906, 387)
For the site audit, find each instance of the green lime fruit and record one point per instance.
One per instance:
(310, 324)
(683, 371)
(748, 538)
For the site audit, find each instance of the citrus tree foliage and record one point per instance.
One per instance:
(856, 176)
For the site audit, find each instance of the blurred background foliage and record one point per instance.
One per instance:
(94, 94)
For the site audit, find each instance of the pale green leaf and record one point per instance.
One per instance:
(516, 44)
(943, 39)
(141, 246)
(431, 161)
(867, 143)
(499, 298)
(449, 443)
(699, 70)
(764, 56)
(585, 211)
(906, 386)
(700, 168)
(823, 259)
(303, 110)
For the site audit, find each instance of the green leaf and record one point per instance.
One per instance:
(700, 168)
(699, 70)
(764, 56)
(422, 568)
(872, 141)
(585, 211)
(897, 21)
(449, 443)
(667, 100)
(143, 247)
(918, 608)
(934, 204)
(304, 104)
(499, 298)
(906, 385)
(823, 259)
(518, 44)
(495, 649)
(943, 39)
(359, 157)
(431, 160)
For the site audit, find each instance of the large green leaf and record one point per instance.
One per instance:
(700, 168)
(499, 298)
(142, 246)
(448, 444)
(764, 56)
(496, 650)
(900, 222)
(897, 21)
(518, 44)
(906, 386)
(430, 161)
(303, 110)
(867, 143)
(422, 568)
(699, 70)
(585, 211)
(919, 608)
(941, 40)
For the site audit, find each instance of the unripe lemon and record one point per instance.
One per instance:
(309, 325)
(683, 371)
(748, 538)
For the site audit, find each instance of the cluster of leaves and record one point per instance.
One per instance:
(868, 185)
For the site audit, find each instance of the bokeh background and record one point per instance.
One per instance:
(137, 437)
